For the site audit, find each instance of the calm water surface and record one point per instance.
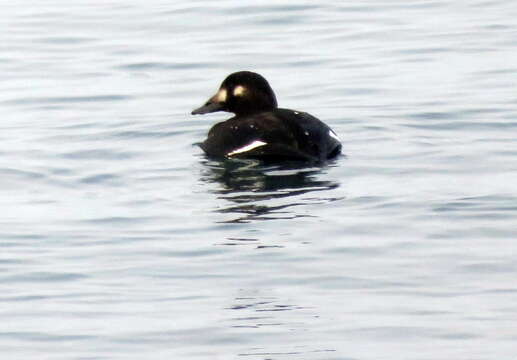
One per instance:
(120, 240)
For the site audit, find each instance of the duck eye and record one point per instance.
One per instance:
(239, 90)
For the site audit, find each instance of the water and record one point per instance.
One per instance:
(120, 240)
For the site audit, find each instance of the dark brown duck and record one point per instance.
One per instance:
(260, 129)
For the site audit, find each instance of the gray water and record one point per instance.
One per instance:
(120, 240)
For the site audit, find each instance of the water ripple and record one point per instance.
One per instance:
(120, 239)
(107, 154)
(38, 277)
(67, 99)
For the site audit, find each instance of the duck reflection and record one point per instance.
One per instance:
(259, 312)
(261, 191)
(272, 314)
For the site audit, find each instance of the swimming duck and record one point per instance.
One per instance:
(260, 129)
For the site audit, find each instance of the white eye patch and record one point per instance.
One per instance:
(221, 95)
(239, 90)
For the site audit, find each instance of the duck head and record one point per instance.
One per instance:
(241, 93)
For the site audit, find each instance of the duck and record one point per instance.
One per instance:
(260, 129)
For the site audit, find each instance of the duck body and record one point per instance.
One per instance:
(260, 129)
(277, 134)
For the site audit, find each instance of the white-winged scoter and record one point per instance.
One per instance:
(260, 129)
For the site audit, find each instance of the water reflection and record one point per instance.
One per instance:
(259, 191)
(257, 313)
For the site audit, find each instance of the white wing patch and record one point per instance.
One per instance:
(333, 135)
(255, 144)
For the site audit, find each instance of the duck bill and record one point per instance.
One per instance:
(215, 103)
(209, 107)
